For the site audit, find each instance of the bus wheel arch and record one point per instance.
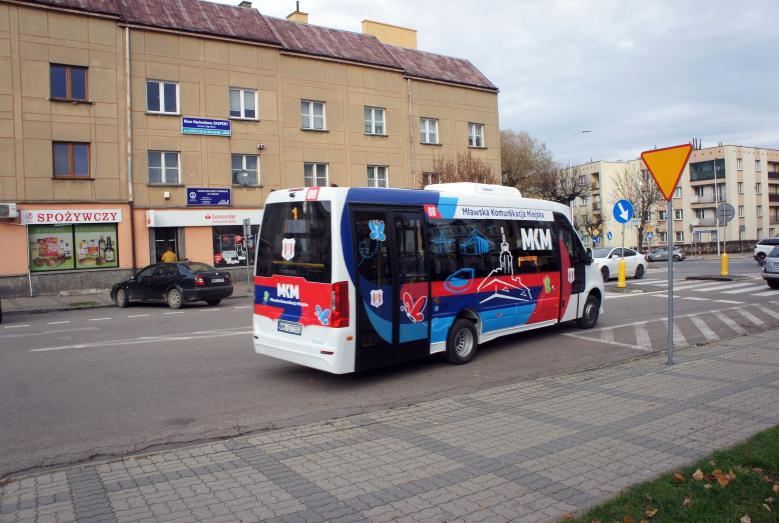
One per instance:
(462, 341)
(591, 310)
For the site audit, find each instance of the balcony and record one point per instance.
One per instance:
(774, 175)
(595, 187)
(773, 198)
(707, 198)
(773, 220)
(704, 222)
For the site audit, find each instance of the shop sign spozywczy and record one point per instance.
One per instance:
(66, 216)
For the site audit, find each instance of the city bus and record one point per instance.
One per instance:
(350, 279)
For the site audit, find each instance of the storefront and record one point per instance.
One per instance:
(213, 236)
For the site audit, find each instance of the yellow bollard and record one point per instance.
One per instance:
(724, 271)
(621, 274)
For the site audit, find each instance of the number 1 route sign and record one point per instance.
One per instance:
(666, 166)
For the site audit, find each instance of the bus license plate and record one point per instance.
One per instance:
(290, 327)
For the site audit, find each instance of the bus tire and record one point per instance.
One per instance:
(590, 313)
(462, 342)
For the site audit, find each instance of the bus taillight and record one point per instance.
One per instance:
(339, 304)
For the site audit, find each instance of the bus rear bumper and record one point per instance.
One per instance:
(325, 363)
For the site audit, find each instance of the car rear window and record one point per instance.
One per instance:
(198, 267)
(295, 241)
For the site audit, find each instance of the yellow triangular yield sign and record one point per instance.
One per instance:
(666, 166)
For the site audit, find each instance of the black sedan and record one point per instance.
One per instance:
(174, 283)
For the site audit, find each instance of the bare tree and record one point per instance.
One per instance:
(560, 184)
(524, 159)
(640, 190)
(465, 168)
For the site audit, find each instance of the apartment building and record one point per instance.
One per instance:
(131, 126)
(745, 177)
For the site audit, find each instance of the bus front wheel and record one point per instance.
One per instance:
(590, 313)
(462, 342)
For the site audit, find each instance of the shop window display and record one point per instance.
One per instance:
(231, 248)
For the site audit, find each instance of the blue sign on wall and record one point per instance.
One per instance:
(219, 197)
(609, 236)
(206, 126)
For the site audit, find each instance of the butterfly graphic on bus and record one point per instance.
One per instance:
(323, 315)
(377, 230)
(414, 309)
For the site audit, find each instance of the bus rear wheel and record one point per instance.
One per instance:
(462, 342)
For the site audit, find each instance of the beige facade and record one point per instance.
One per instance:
(746, 177)
(203, 68)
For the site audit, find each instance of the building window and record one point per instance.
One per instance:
(679, 236)
(68, 82)
(164, 168)
(377, 176)
(760, 234)
(757, 165)
(475, 135)
(739, 164)
(758, 188)
(231, 248)
(312, 115)
(60, 247)
(678, 192)
(70, 159)
(740, 211)
(428, 130)
(374, 121)
(243, 103)
(699, 213)
(315, 174)
(740, 187)
(759, 211)
(661, 215)
(431, 178)
(678, 214)
(162, 97)
(663, 236)
(246, 170)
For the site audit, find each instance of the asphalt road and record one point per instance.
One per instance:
(80, 385)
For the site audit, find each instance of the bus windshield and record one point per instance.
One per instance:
(295, 241)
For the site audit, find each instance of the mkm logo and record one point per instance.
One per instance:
(288, 290)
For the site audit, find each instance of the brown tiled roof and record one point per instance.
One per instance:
(433, 66)
(334, 43)
(198, 16)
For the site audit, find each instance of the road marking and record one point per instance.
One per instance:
(57, 322)
(649, 282)
(732, 324)
(607, 337)
(746, 289)
(734, 302)
(771, 313)
(727, 286)
(695, 298)
(45, 333)
(679, 338)
(709, 334)
(162, 340)
(751, 317)
(137, 315)
(175, 312)
(242, 307)
(99, 319)
(617, 343)
(208, 310)
(642, 336)
(16, 326)
(767, 293)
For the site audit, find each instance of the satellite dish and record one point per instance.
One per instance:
(243, 178)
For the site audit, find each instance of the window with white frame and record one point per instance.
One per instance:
(757, 165)
(246, 170)
(162, 97)
(699, 213)
(740, 187)
(662, 236)
(374, 120)
(678, 214)
(739, 164)
(699, 192)
(759, 211)
(679, 236)
(315, 174)
(431, 178)
(697, 236)
(758, 188)
(678, 192)
(312, 115)
(428, 130)
(377, 176)
(760, 234)
(164, 168)
(243, 103)
(740, 211)
(661, 215)
(475, 134)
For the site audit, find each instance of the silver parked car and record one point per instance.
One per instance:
(771, 268)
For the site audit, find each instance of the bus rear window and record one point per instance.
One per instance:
(295, 241)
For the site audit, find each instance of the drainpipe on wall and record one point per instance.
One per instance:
(130, 198)
(411, 136)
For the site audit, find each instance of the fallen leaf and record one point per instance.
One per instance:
(644, 521)
(766, 507)
(650, 512)
(687, 502)
(745, 519)
(698, 475)
(776, 488)
(721, 479)
(712, 462)
(678, 477)
(758, 470)
(769, 500)
(568, 516)
(707, 486)
(730, 475)
(628, 519)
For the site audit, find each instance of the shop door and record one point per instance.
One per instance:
(393, 286)
(165, 237)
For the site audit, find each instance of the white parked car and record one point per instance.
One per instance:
(607, 260)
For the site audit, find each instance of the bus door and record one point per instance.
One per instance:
(393, 287)
(573, 268)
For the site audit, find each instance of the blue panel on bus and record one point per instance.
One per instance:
(395, 196)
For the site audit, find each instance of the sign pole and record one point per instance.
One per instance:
(247, 230)
(670, 282)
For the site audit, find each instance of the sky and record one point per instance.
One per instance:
(637, 74)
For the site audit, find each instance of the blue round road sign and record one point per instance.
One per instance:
(609, 236)
(623, 211)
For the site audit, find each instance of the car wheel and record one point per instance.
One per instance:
(760, 258)
(120, 298)
(677, 258)
(605, 273)
(773, 284)
(590, 314)
(175, 299)
(639, 271)
(213, 303)
(461, 344)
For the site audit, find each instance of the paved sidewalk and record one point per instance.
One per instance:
(531, 451)
(94, 298)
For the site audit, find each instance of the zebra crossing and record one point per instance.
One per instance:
(689, 329)
(702, 290)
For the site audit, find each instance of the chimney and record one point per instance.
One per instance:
(245, 4)
(297, 15)
(391, 34)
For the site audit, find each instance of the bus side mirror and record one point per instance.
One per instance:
(589, 260)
